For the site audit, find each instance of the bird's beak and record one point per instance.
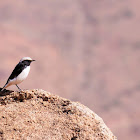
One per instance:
(32, 60)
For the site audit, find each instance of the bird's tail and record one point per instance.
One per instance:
(5, 86)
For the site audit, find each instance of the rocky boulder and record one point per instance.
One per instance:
(37, 114)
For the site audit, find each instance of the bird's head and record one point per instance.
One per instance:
(26, 60)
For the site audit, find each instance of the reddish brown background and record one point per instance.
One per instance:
(86, 50)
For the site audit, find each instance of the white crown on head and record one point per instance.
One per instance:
(25, 58)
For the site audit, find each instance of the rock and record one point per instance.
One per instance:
(37, 114)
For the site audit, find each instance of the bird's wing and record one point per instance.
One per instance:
(17, 70)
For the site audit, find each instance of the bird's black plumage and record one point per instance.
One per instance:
(24, 62)
(18, 69)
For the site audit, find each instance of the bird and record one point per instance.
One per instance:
(19, 73)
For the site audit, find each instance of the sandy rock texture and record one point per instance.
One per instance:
(37, 114)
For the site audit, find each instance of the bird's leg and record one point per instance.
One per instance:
(18, 88)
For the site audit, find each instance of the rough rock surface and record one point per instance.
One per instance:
(37, 114)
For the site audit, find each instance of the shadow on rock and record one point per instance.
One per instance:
(5, 92)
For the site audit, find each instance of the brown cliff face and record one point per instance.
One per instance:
(37, 114)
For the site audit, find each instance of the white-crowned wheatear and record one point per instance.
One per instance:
(19, 73)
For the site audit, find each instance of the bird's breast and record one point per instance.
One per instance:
(23, 75)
